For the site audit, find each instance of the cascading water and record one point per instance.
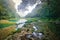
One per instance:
(22, 12)
(35, 28)
(24, 7)
(20, 23)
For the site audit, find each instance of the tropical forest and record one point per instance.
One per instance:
(29, 19)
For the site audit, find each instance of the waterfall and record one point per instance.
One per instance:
(35, 28)
(20, 23)
(22, 12)
(27, 8)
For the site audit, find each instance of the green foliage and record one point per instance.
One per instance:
(50, 12)
(54, 27)
(5, 12)
(18, 30)
(32, 20)
(4, 25)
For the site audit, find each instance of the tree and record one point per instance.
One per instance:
(5, 12)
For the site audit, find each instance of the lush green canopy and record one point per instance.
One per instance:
(5, 12)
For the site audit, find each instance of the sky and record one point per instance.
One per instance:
(24, 7)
